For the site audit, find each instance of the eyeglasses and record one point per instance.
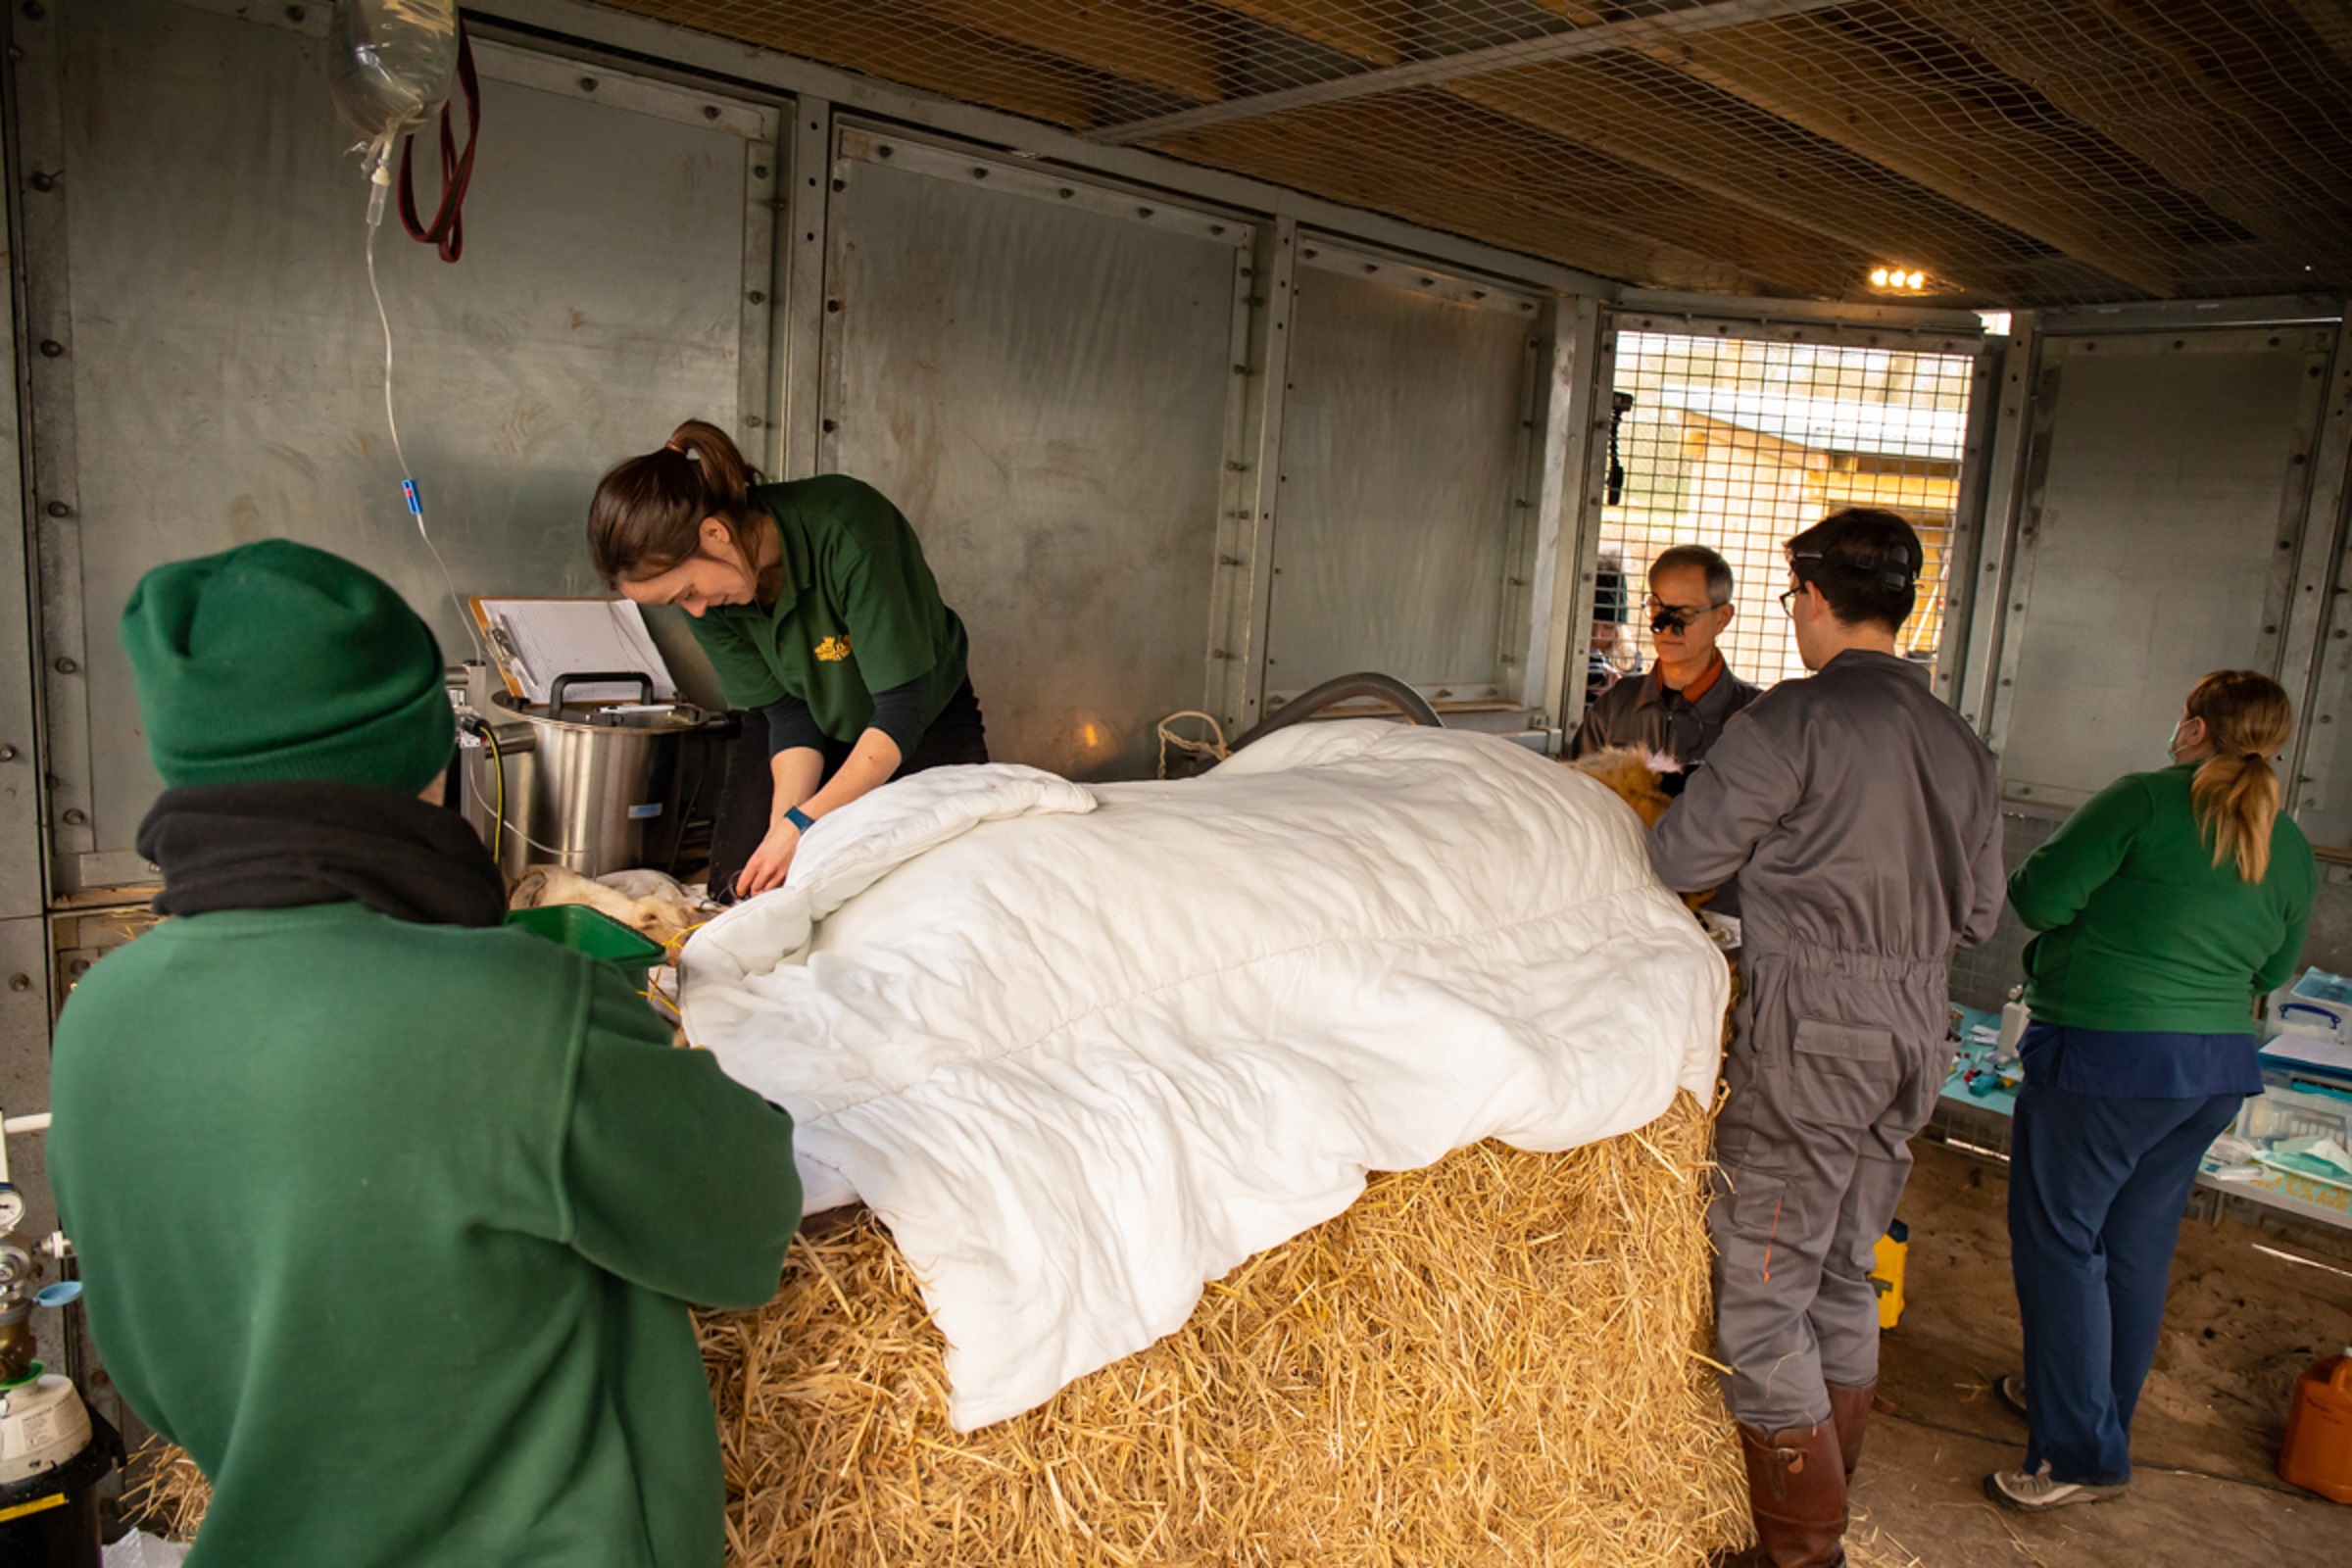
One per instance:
(1787, 594)
(1665, 617)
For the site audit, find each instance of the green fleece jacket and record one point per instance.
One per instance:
(393, 1227)
(2141, 931)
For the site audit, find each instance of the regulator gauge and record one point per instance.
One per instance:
(12, 1207)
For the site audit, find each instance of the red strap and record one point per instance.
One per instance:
(447, 231)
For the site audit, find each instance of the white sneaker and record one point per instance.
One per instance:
(2036, 1493)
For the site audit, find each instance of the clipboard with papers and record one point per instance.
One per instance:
(536, 639)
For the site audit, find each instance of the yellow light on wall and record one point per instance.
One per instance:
(1878, 276)
(1902, 278)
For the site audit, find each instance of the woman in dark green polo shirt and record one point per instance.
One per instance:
(2166, 907)
(817, 608)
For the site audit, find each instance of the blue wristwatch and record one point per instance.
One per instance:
(799, 818)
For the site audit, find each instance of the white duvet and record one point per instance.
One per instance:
(1085, 1048)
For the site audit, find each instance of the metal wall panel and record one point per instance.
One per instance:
(1404, 475)
(227, 360)
(1040, 383)
(2322, 794)
(2162, 517)
(23, 882)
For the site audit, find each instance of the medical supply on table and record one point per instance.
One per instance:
(2015, 1016)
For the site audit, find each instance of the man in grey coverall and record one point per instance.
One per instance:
(1863, 820)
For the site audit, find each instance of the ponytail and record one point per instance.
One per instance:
(647, 512)
(2234, 793)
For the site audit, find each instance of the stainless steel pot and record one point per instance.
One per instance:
(576, 784)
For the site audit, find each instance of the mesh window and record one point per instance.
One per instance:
(1737, 444)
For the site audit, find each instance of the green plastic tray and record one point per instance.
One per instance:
(593, 932)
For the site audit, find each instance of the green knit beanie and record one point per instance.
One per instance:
(275, 660)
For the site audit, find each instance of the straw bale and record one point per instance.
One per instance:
(1492, 1360)
(1496, 1360)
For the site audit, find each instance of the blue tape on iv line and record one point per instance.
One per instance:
(408, 489)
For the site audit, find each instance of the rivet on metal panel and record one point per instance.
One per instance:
(2338, 634)
(79, 967)
(839, 185)
(832, 305)
(831, 427)
(20, 982)
(1144, 212)
(758, 170)
(2296, 459)
(2287, 544)
(1067, 193)
(51, 348)
(1477, 293)
(8, 754)
(1219, 653)
(757, 297)
(35, 10)
(710, 111)
(1238, 467)
(1240, 369)
(75, 816)
(1526, 305)
(1231, 561)
(752, 421)
(2270, 631)
(587, 84)
(978, 172)
(2274, 342)
(2020, 605)
(58, 508)
(42, 181)
(1217, 228)
(65, 667)
(1371, 266)
(885, 149)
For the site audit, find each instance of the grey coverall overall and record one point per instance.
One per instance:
(1863, 820)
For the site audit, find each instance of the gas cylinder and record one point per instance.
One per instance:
(2316, 1454)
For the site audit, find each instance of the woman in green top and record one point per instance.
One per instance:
(2166, 905)
(815, 605)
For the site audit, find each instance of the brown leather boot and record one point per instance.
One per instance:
(1849, 1412)
(1796, 1493)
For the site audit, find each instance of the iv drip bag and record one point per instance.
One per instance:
(389, 65)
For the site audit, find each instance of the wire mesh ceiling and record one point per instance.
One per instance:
(2004, 152)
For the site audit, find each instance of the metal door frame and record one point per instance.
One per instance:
(76, 863)
(1816, 325)
(1264, 251)
(1533, 530)
(2305, 559)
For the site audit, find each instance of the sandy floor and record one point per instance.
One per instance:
(2241, 1325)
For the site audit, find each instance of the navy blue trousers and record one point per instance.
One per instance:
(2098, 1185)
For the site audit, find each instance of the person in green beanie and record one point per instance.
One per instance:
(389, 1214)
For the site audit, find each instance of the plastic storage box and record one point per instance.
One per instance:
(591, 931)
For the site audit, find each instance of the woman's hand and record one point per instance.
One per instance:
(769, 863)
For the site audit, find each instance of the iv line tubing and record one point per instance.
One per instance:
(392, 422)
